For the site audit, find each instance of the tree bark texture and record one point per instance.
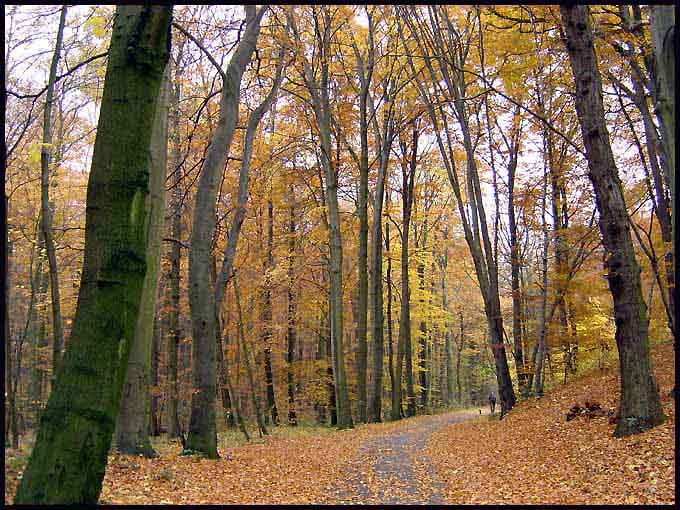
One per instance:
(69, 457)
(640, 407)
(132, 427)
(202, 435)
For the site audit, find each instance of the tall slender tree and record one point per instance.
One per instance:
(45, 211)
(202, 435)
(319, 90)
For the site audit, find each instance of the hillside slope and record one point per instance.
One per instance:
(535, 456)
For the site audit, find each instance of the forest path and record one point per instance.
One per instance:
(393, 469)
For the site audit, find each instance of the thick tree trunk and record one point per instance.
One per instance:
(69, 457)
(45, 211)
(640, 407)
(132, 427)
(202, 435)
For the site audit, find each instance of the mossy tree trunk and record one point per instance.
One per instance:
(640, 406)
(132, 427)
(68, 461)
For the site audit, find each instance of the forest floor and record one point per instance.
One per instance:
(535, 456)
(532, 456)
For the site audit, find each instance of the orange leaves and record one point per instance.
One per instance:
(535, 456)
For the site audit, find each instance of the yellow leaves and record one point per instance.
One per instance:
(97, 25)
(34, 154)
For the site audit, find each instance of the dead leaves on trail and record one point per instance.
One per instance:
(278, 470)
(535, 456)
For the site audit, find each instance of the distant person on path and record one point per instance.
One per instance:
(492, 402)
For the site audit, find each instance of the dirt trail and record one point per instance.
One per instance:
(393, 469)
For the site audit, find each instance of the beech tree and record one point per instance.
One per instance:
(640, 408)
(133, 425)
(202, 435)
(318, 88)
(69, 457)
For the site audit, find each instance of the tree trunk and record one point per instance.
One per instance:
(448, 346)
(362, 255)
(459, 352)
(394, 386)
(422, 336)
(376, 284)
(202, 435)
(664, 46)
(544, 281)
(517, 315)
(267, 316)
(174, 333)
(68, 461)
(291, 321)
(9, 354)
(640, 407)
(132, 427)
(254, 395)
(38, 375)
(319, 91)
(45, 211)
(223, 375)
(404, 341)
(476, 231)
